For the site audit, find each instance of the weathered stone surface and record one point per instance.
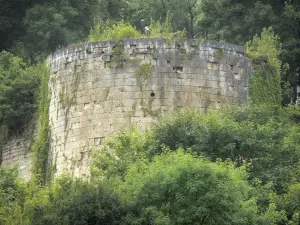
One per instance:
(94, 94)
(16, 152)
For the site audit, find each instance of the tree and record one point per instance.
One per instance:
(288, 29)
(112, 161)
(53, 24)
(73, 202)
(185, 14)
(235, 21)
(178, 188)
(11, 21)
(18, 91)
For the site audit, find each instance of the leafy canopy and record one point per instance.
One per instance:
(178, 188)
(18, 91)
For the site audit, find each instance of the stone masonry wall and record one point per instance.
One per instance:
(16, 152)
(98, 89)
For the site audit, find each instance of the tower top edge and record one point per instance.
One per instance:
(140, 42)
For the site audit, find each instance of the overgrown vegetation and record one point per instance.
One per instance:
(142, 74)
(123, 30)
(255, 139)
(118, 31)
(239, 164)
(265, 80)
(118, 55)
(18, 92)
(220, 53)
(40, 170)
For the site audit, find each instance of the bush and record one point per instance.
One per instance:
(118, 31)
(12, 197)
(122, 30)
(73, 202)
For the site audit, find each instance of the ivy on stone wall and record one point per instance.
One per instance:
(118, 55)
(265, 79)
(41, 145)
(142, 74)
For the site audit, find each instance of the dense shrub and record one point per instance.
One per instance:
(122, 30)
(73, 202)
(12, 197)
(178, 188)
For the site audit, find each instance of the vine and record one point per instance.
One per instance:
(118, 56)
(41, 144)
(265, 79)
(220, 53)
(147, 108)
(106, 93)
(191, 54)
(142, 75)
(3, 138)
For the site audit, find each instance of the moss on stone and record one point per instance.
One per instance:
(106, 92)
(118, 55)
(220, 53)
(142, 75)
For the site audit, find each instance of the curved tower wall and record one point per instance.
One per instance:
(100, 88)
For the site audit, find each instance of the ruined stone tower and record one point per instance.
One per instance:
(100, 88)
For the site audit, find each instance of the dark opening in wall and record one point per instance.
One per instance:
(88, 51)
(152, 94)
(132, 45)
(178, 69)
(168, 61)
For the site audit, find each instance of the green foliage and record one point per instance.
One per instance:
(18, 91)
(165, 30)
(118, 57)
(41, 144)
(118, 31)
(73, 202)
(12, 197)
(256, 135)
(177, 188)
(185, 14)
(265, 82)
(263, 139)
(119, 152)
(220, 53)
(234, 22)
(161, 189)
(124, 30)
(52, 24)
(142, 74)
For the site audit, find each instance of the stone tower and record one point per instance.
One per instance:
(100, 88)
